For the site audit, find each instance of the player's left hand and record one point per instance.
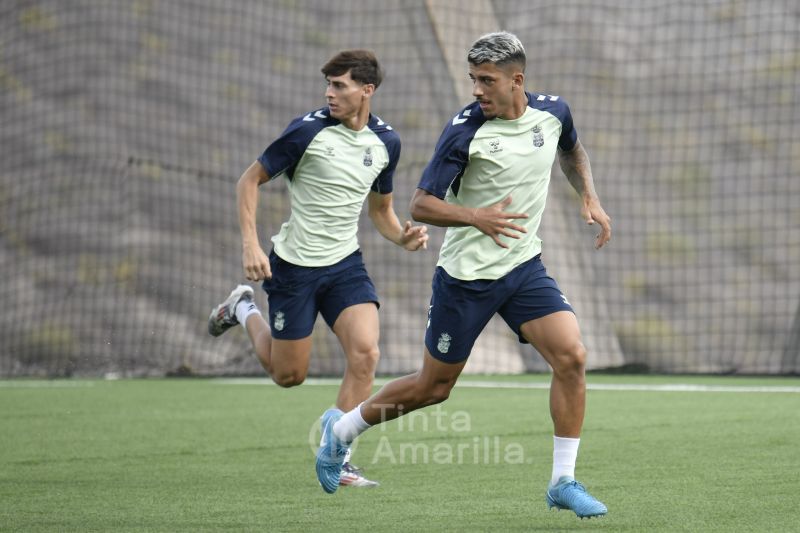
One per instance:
(414, 237)
(592, 212)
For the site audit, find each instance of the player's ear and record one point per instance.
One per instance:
(369, 90)
(518, 80)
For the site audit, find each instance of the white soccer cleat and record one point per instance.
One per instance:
(223, 316)
(351, 476)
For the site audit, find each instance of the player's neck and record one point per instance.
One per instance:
(517, 107)
(358, 121)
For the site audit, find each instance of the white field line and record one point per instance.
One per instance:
(663, 387)
(44, 384)
(676, 387)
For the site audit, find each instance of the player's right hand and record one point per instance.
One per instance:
(494, 222)
(255, 263)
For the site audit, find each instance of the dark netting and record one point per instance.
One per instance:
(125, 126)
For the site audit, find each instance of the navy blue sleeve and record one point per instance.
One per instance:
(559, 109)
(568, 136)
(285, 152)
(383, 183)
(450, 157)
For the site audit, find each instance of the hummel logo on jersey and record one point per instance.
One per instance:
(317, 114)
(543, 97)
(368, 157)
(329, 151)
(565, 299)
(494, 146)
(458, 120)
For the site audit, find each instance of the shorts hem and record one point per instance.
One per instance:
(538, 316)
(289, 336)
(435, 354)
(351, 304)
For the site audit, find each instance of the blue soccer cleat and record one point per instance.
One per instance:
(569, 494)
(331, 453)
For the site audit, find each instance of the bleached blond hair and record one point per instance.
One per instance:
(499, 48)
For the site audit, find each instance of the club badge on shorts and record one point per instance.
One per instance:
(444, 343)
(279, 321)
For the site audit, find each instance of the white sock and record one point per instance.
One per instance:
(243, 310)
(350, 426)
(565, 454)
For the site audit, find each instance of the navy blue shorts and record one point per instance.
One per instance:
(459, 310)
(296, 293)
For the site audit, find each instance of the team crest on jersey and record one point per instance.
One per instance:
(444, 343)
(538, 137)
(368, 157)
(279, 321)
(494, 146)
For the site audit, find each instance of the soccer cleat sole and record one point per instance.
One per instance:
(328, 471)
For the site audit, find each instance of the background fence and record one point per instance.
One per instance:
(125, 126)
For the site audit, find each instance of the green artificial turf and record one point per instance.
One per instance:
(211, 455)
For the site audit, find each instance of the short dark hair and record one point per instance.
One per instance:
(362, 64)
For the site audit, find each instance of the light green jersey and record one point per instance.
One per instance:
(330, 170)
(480, 162)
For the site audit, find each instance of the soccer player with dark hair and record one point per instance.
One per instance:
(332, 158)
(495, 154)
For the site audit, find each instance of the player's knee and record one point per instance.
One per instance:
(438, 395)
(572, 359)
(364, 362)
(439, 392)
(288, 379)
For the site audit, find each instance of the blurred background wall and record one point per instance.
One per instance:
(125, 125)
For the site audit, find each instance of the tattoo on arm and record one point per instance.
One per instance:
(576, 167)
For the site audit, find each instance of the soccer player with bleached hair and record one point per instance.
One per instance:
(332, 158)
(495, 154)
